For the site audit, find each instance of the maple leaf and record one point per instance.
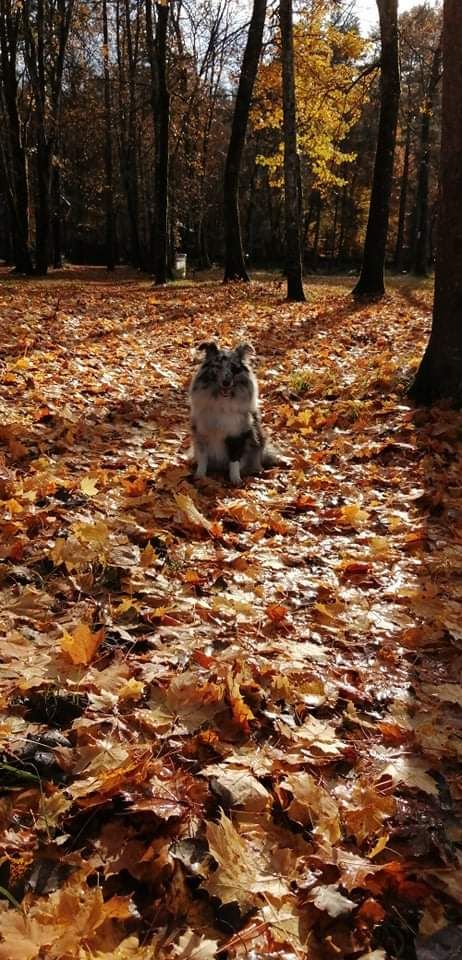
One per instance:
(411, 772)
(129, 949)
(88, 486)
(329, 899)
(96, 532)
(242, 714)
(276, 612)
(96, 790)
(193, 515)
(313, 734)
(193, 946)
(239, 786)
(239, 877)
(352, 514)
(366, 811)
(82, 644)
(312, 806)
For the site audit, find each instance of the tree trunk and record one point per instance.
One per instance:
(420, 259)
(160, 97)
(56, 236)
(131, 165)
(108, 164)
(313, 253)
(45, 64)
(43, 209)
(440, 373)
(15, 163)
(343, 210)
(333, 246)
(20, 208)
(234, 255)
(371, 281)
(292, 200)
(398, 258)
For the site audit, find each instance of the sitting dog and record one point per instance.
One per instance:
(225, 418)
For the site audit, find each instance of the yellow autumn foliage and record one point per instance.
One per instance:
(330, 93)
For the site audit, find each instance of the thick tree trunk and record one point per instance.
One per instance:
(108, 164)
(45, 63)
(292, 200)
(371, 282)
(234, 255)
(440, 373)
(398, 258)
(15, 163)
(157, 48)
(20, 209)
(420, 258)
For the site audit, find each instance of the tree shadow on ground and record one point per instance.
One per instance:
(430, 818)
(77, 274)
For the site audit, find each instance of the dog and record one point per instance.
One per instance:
(225, 420)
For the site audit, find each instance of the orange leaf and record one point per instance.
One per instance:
(276, 612)
(82, 644)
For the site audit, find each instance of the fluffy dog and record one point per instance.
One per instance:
(225, 419)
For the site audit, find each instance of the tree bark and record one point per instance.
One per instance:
(108, 164)
(440, 373)
(420, 259)
(14, 154)
(292, 200)
(43, 208)
(398, 258)
(371, 282)
(160, 98)
(234, 255)
(45, 63)
(56, 233)
(131, 171)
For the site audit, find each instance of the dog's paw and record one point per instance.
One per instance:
(235, 473)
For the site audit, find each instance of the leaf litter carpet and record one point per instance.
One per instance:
(231, 718)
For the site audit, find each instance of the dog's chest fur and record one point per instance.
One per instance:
(219, 417)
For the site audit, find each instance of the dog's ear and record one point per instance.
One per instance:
(244, 350)
(210, 348)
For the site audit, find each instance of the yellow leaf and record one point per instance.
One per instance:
(23, 363)
(131, 690)
(148, 556)
(353, 515)
(96, 532)
(379, 846)
(124, 606)
(88, 486)
(12, 506)
(82, 644)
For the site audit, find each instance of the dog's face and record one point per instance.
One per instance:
(225, 373)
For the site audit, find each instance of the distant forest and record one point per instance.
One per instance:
(84, 85)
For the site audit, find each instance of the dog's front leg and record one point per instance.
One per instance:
(202, 463)
(235, 448)
(235, 472)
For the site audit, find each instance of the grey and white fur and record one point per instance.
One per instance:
(225, 418)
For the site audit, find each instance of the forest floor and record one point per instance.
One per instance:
(231, 718)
